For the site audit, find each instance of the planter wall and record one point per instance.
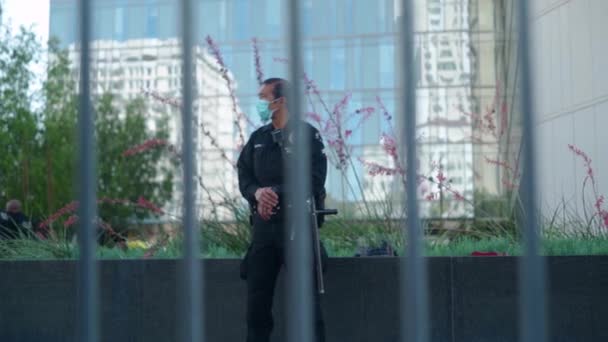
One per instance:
(472, 299)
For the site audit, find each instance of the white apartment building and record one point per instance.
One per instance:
(151, 68)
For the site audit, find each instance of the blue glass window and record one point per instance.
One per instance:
(337, 66)
(242, 26)
(152, 22)
(387, 65)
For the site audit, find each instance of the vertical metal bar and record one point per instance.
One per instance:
(414, 310)
(87, 266)
(299, 251)
(531, 269)
(192, 266)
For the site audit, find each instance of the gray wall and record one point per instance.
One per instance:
(472, 299)
(571, 75)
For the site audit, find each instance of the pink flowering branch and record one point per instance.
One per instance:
(216, 144)
(204, 130)
(510, 177)
(257, 60)
(311, 88)
(72, 207)
(145, 146)
(443, 185)
(376, 169)
(143, 203)
(67, 209)
(389, 145)
(173, 102)
(600, 212)
(238, 116)
(387, 116)
(486, 123)
(106, 227)
(580, 153)
(70, 221)
(365, 113)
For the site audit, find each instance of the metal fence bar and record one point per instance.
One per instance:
(87, 186)
(532, 301)
(414, 310)
(191, 312)
(299, 251)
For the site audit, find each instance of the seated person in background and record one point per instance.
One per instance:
(13, 223)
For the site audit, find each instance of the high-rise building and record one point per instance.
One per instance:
(349, 49)
(131, 63)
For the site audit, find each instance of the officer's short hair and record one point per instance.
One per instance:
(280, 87)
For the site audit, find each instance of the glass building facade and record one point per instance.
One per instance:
(350, 51)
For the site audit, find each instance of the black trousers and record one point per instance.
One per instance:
(265, 258)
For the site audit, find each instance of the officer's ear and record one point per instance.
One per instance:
(282, 101)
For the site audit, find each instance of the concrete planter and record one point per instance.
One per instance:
(472, 299)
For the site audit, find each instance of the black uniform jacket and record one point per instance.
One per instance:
(260, 164)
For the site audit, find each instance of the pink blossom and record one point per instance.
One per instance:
(70, 221)
(330, 129)
(348, 133)
(69, 208)
(341, 151)
(311, 85)
(499, 163)
(430, 196)
(147, 145)
(585, 158)
(142, 202)
(365, 110)
(599, 202)
(440, 176)
(367, 113)
(389, 145)
(458, 196)
(375, 169)
(387, 116)
(580, 153)
(340, 107)
(238, 116)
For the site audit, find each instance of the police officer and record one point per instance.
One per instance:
(261, 182)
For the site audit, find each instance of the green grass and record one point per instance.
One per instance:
(24, 249)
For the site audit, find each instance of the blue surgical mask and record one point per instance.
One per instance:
(263, 108)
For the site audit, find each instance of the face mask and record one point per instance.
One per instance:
(263, 109)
